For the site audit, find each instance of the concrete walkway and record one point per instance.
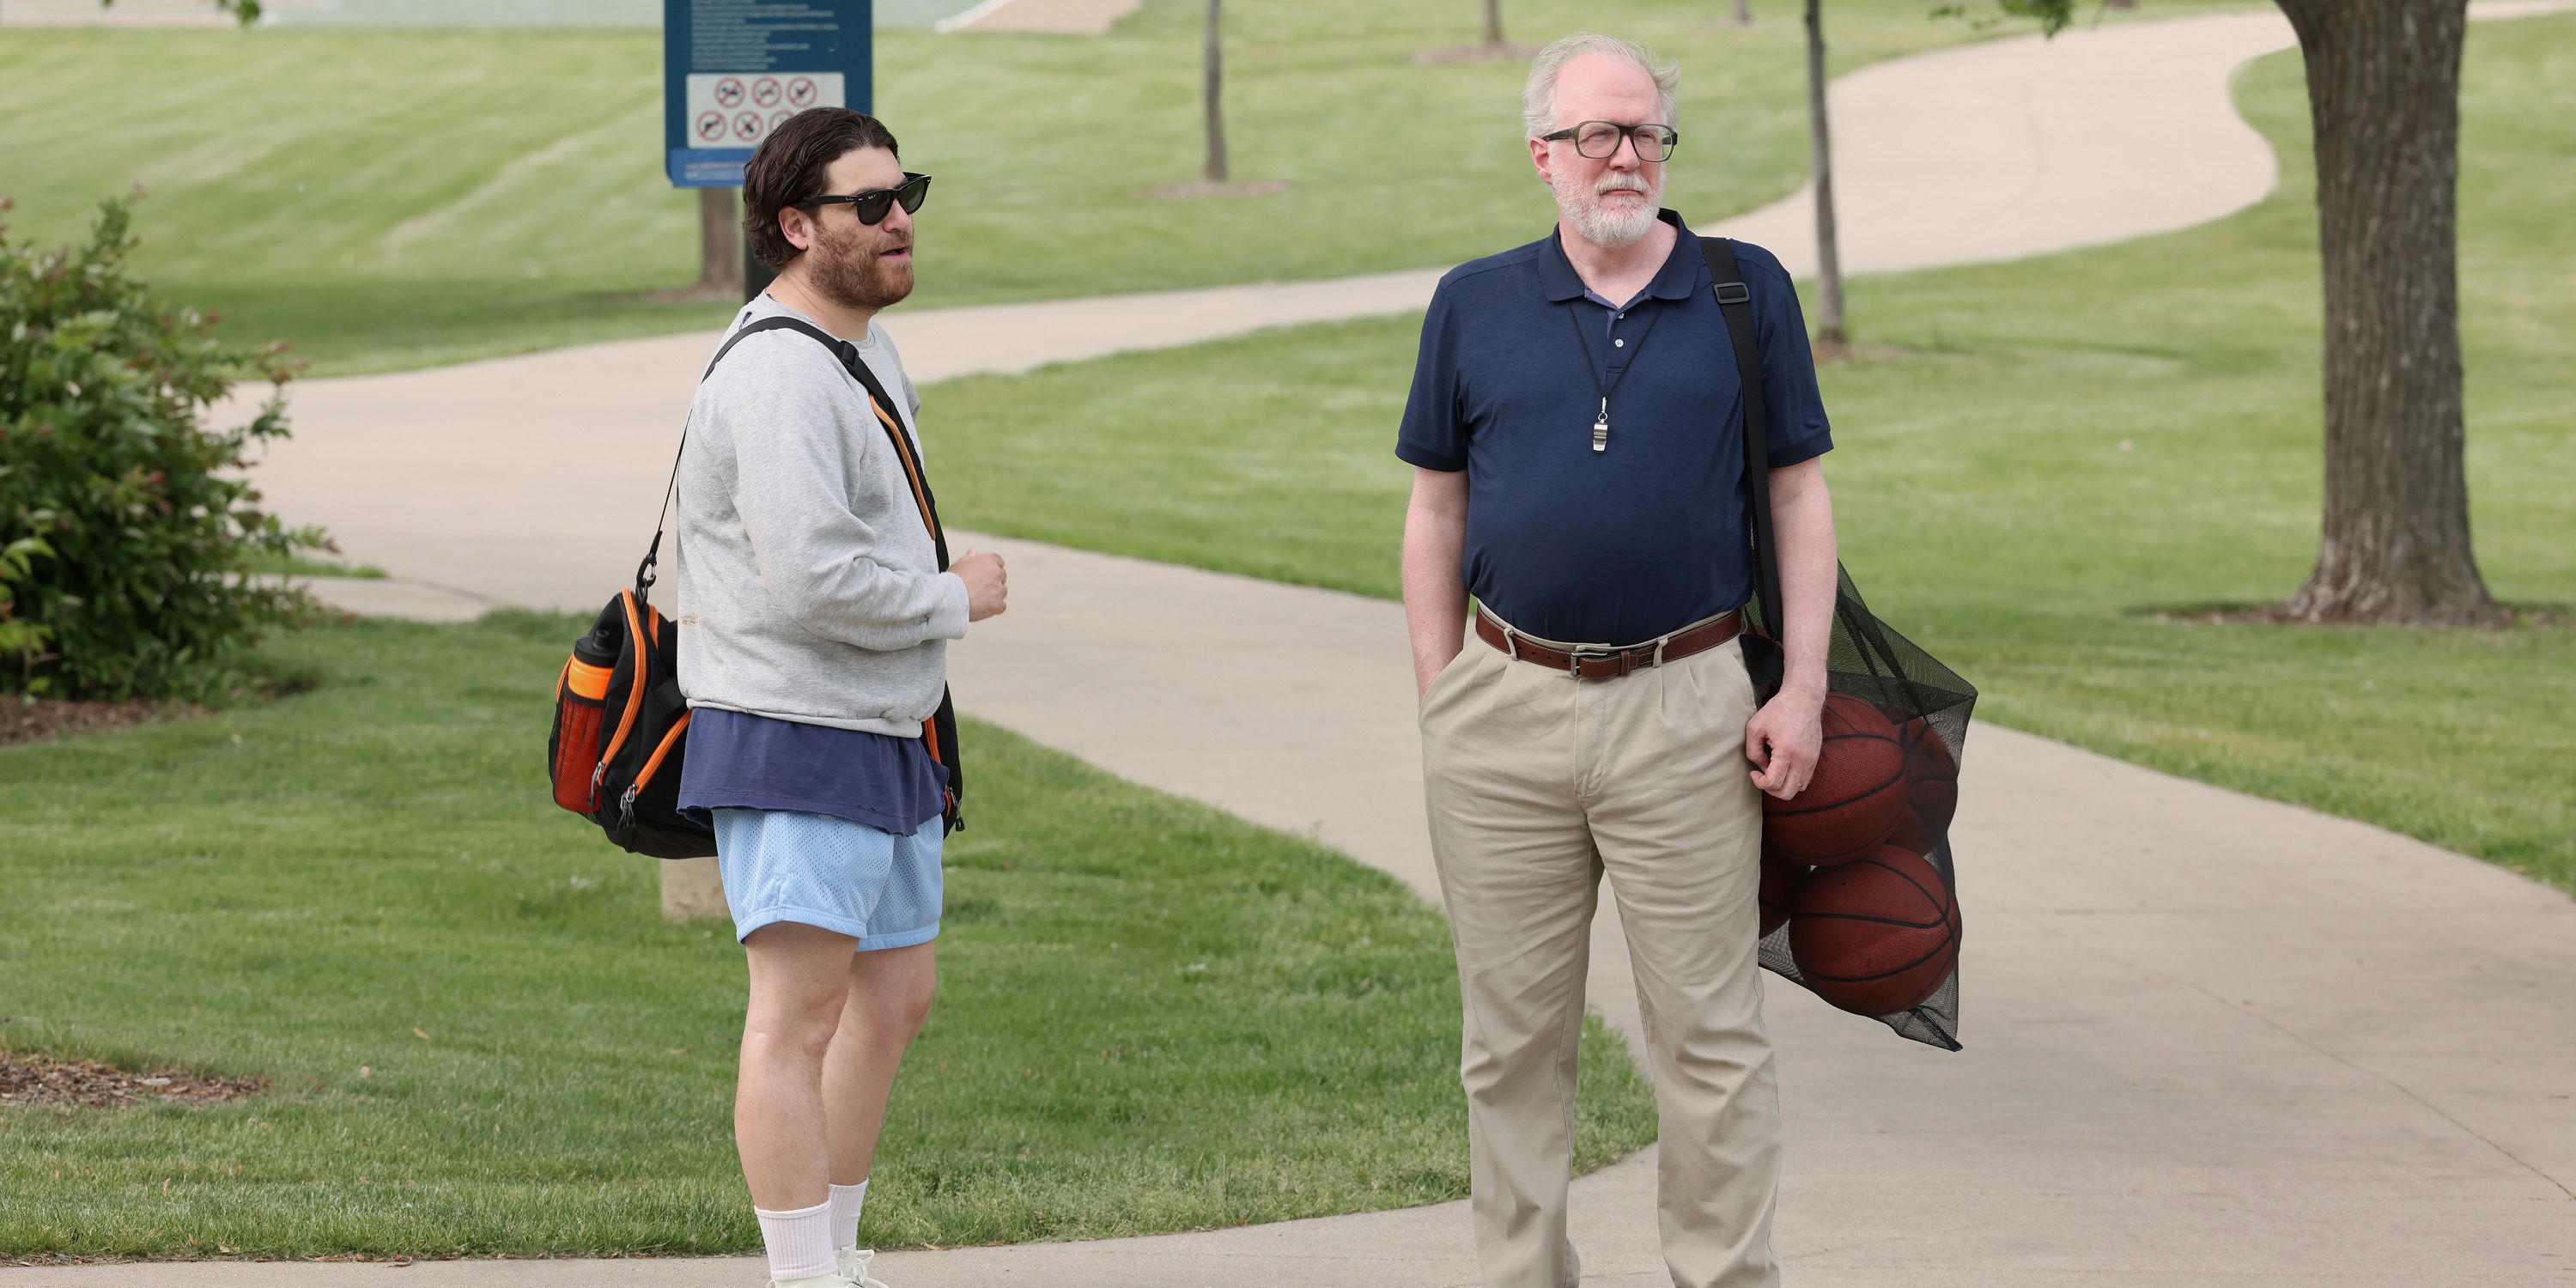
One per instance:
(2210, 1039)
(1042, 17)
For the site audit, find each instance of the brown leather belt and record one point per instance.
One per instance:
(1610, 663)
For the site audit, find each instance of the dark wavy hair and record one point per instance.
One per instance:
(788, 168)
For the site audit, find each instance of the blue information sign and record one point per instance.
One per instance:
(733, 70)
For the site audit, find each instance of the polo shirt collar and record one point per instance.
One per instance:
(1676, 280)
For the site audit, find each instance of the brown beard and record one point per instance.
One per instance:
(846, 270)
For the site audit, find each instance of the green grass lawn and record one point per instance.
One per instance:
(1152, 1016)
(2055, 451)
(388, 199)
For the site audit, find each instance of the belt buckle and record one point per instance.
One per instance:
(1575, 658)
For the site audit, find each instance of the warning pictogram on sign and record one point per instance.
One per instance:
(723, 116)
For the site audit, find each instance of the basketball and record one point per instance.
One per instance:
(1931, 787)
(1857, 792)
(1877, 935)
(1780, 878)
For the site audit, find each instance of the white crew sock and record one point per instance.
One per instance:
(799, 1242)
(846, 1202)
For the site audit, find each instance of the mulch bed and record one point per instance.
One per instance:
(35, 1080)
(2523, 616)
(24, 721)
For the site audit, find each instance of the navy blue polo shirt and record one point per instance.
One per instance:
(1626, 544)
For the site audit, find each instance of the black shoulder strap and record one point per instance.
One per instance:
(1736, 301)
(644, 575)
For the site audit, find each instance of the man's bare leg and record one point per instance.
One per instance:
(799, 985)
(887, 998)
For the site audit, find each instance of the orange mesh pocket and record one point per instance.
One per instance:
(578, 718)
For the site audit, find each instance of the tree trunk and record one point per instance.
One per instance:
(2384, 103)
(719, 244)
(1831, 336)
(1215, 83)
(1493, 24)
(1744, 13)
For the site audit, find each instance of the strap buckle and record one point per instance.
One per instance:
(1574, 661)
(1733, 293)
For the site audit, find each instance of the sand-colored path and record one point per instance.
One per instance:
(1042, 17)
(2211, 1040)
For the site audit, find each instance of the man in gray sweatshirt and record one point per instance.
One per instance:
(816, 618)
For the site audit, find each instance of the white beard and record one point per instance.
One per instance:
(1604, 227)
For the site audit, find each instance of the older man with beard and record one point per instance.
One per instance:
(815, 615)
(1576, 430)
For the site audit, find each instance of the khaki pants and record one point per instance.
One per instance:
(1537, 784)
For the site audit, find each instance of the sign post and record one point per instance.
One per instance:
(734, 70)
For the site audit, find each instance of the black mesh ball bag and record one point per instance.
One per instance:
(1926, 703)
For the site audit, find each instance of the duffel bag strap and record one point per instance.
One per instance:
(1735, 300)
(644, 572)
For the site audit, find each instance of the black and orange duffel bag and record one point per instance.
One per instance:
(620, 731)
(621, 726)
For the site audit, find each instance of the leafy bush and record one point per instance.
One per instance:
(128, 531)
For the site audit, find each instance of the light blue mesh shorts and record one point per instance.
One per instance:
(816, 870)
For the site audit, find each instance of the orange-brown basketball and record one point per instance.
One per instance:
(1931, 787)
(1780, 877)
(1876, 935)
(1855, 796)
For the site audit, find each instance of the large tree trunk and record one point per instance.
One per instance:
(2384, 100)
(719, 244)
(1831, 336)
(1493, 24)
(1215, 83)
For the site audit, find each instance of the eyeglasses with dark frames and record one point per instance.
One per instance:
(1600, 139)
(871, 207)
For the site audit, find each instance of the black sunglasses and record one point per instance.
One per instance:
(871, 207)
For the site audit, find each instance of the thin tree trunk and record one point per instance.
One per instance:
(2384, 103)
(1744, 13)
(1832, 335)
(1215, 84)
(1493, 24)
(719, 244)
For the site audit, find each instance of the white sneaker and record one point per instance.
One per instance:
(854, 1268)
(815, 1281)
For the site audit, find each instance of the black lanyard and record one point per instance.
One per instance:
(1601, 423)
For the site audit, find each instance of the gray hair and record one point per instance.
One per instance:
(1538, 94)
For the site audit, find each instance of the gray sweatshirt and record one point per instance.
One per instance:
(808, 586)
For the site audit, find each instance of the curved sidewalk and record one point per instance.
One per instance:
(2210, 1039)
